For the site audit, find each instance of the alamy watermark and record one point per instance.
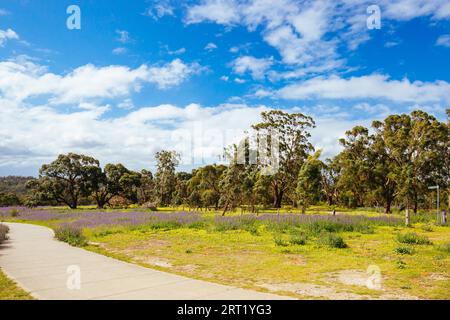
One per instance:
(374, 19)
(74, 277)
(374, 279)
(198, 146)
(74, 20)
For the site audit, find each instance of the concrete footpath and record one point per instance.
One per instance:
(49, 269)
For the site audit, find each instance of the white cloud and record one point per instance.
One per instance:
(4, 12)
(224, 78)
(210, 46)
(379, 109)
(257, 67)
(219, 11)
(171, 74)
(263, 93)
(123, 36)
(239, 80)
(127, 104)
(36, 134)
(374, 86)
(410, 9)
(21, 79)
(308, 34)
(119, 50)
(159, 9)
(177, 52)
(6, 35)
(443, 40)
(391, 44)
(31, 135)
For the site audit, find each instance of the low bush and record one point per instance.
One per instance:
(444, 247)
(279, 241)
(423, 217)
(298, 239)
(14, 212)
(151, 206)
(332, 240)
(197, 225)
(427, 227)
(412, 238)
(246, 223)
(404, 250)
(165, 225)
(72, 235)
(4, 229)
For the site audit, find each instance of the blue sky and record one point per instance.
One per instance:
(192, 76)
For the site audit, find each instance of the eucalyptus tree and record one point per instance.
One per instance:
(208, 179)
(417, 147)
(231, 187)
(292, 133)
(262, 189)
(165, 180)
(181, 194)
(354, 166)
(309, 183)
(146, 189)
(114, 180)
(66, 179)
(330, 177)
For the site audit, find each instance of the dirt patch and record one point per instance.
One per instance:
(359, 278)
(397, 296)
(437, 277)
(313, 290)
(149, 244)
(188, 268)
(349, 277)
(328, 292)
(159, 262)
(296, 259)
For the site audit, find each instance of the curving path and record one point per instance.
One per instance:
(38, 263)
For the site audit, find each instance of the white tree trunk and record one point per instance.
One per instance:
(407, 217)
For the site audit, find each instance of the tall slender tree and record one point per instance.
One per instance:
(292, 132)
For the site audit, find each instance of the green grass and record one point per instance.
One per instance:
(10, 291)
(414, 261)
(240, 258)
(412, 238)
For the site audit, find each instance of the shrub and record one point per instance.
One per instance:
(72, 235)
(4, 229)
(279, 241)
(165, 225)
(404, 250)
(427, 227)
(197, 225)
(423, 217)
(332, 240)
(298, 239)
(412, 238)
(151, 206)
(445, 247)
(14, 212)
(119, 202)
(401, 264)
(246, 223)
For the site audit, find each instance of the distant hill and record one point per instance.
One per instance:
(13, 190)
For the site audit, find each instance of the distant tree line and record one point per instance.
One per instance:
(13, 190)
(392, 163)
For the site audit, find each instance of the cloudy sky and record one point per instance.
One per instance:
(144, 75)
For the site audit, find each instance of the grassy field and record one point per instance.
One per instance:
(305, 256)
(10, 291)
